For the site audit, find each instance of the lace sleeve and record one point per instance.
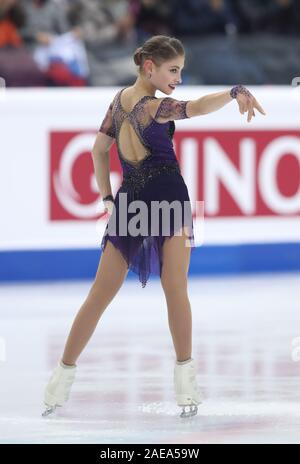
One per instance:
(170, 109)
(107, 126)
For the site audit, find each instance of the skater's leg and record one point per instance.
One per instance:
(176, 259)
(110, 275)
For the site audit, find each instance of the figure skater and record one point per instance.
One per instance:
(143, 126)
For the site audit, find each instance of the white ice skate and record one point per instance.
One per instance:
(186, 388)
(58, 388)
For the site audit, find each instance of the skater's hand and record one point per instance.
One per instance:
(247, 102)
(109, 206)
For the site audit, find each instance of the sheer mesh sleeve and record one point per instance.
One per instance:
(107, 126)
(170, 109)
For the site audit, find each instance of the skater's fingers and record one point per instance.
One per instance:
(109, 206)
(250, 113)
(259, 107)
(241, 108)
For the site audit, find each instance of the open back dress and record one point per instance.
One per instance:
(147, 129)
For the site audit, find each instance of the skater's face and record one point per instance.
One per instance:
(168, 75)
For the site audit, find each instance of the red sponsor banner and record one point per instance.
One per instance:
(74, 193)
(239, 173)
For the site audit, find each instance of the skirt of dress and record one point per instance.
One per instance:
(139, 233)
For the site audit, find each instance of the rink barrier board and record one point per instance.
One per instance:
(66, 264)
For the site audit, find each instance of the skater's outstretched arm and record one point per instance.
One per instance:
(168, 108)
(214, 101)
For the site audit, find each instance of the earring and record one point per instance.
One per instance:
(149, 76)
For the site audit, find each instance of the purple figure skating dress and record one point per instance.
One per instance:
(157, 177)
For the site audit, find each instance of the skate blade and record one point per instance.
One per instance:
(48, 411)
(193, 409)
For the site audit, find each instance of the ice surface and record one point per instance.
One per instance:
(245, 332)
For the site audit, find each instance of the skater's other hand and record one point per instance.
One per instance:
(109, 206)
(247, 103)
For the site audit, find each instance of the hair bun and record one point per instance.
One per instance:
(137, 57)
